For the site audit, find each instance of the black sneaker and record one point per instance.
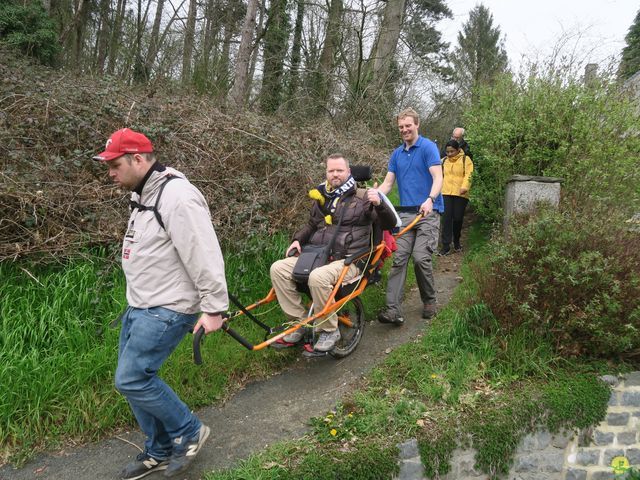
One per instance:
(184, 454)
(387, 317)
(443, 252)
(457, 248)
(142, 466)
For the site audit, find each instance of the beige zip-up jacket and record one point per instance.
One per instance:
(179, 267)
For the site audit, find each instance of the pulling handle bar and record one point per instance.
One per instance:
(197, 339)
(245, 343)
(199, 335)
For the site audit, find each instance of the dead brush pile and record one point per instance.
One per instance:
(55, 202)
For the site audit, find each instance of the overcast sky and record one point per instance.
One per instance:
(594, 29)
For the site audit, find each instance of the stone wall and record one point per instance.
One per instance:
(587, 455)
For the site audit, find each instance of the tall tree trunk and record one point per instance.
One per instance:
(167, 30)
(387, 41)
(296, 48)
(103, 35)
(114, 44)
(312, 49)
(255, 52)
(209, 33)
(327, 57)
(189, 36)
(154, 40)
(275, 48)
(76, 10)
(241, 78)
(223, 72)
(139, 73)
(354, 63)
(77, 26)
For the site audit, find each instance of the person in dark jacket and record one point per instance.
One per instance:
(361, 209)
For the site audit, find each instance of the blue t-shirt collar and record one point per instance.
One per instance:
(416, 145)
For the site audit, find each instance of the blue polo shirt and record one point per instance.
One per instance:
(411, 168)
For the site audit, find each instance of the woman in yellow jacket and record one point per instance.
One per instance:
(456, 168)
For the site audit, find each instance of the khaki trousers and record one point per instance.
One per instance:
(321, 283)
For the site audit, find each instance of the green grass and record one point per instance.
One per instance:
(54, 344)
(301, 461)
(58, 354)
(456, 385)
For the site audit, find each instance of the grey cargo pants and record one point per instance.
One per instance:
(420, 242)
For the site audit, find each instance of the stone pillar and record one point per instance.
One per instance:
(590, 74)
(524, 193)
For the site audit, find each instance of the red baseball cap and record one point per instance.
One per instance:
(122, 142)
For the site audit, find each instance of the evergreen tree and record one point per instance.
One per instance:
(630, 62)
(420, 33)
(480, 55)
(27, 27)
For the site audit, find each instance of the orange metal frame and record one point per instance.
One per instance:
(331, 305)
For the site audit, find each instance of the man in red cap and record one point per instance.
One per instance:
(174, 269)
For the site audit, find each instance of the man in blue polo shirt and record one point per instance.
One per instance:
(416, 166)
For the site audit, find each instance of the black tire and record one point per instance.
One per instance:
(349, 336)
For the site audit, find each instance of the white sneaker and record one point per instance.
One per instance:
(295, 336)
(327, 341)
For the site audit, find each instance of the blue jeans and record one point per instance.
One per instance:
(147, 338)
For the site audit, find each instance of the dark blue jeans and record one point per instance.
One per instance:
(147, 338)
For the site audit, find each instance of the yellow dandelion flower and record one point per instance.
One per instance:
(333, 432)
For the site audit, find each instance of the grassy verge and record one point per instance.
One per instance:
(453, 386)
(58, 353)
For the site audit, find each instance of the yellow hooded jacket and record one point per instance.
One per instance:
(457, 175)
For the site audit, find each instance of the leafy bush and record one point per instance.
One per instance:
(27, 27)
(573, 279)
(550, 123)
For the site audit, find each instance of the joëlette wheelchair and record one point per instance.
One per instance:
(344, 300)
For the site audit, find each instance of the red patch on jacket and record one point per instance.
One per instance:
(389, 244)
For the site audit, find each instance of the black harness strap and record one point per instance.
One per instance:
(135, 205)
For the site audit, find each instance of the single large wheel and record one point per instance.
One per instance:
(352, 312)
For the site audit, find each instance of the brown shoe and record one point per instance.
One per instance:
(429, 310)
(389, 317)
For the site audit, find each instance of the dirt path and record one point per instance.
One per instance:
(262, 413)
